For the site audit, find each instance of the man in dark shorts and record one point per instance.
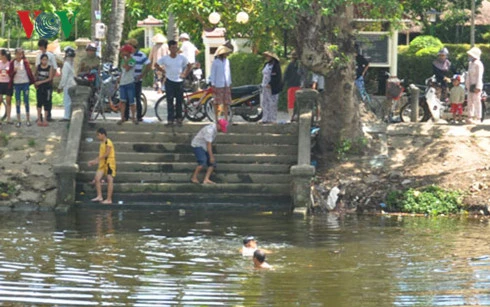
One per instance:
(202, 145)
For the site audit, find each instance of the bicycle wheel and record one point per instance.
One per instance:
(194, 110)
(160, 107)
(144, 105)
(3, 110)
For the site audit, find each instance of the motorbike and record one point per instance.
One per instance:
(245, 102)
(441, 109)
(104, 96)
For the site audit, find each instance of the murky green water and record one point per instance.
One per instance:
(142, 258)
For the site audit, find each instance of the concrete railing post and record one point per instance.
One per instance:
(414, 101)
(303, 172)
(67, 169)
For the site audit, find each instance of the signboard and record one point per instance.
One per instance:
(375, 46)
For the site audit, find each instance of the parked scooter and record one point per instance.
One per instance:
(441, 109)
(245, 101)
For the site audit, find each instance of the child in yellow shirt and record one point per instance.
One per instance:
(107, 167)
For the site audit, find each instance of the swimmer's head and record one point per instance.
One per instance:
(259, 255)
(250, 242)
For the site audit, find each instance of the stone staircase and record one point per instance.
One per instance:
(155, 163)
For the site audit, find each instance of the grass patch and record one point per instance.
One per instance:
(31, 142)
(431, 200)
(56, 98)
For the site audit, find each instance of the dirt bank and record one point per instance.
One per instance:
(416, 155)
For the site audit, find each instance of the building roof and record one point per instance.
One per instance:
(150, 21)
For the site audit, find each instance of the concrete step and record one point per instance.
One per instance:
(172, 201)
(218, 148)
(220, 188)
(189, 127)
(85, 156)
(186, 138)
(136, 177)
(172, 167)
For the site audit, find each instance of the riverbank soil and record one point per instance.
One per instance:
(408, 155)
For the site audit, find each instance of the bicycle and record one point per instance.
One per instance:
(194, 105)
(372, 103)
(104, 97)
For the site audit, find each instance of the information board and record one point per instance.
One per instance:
(375, 47)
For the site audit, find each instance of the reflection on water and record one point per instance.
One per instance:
(142, 258)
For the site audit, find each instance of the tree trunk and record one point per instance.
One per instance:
(340, 119)
(114, 32)
(171, 28)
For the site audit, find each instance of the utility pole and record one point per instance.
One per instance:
(472, 31)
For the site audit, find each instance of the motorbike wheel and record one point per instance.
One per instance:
(406, 111)
(160, 107)
(256, 117)
(194, 110)
(210, 111)
(144, 105)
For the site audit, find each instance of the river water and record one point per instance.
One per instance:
(144, 258)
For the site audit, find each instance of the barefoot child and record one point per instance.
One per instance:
(202, 144)
(456, 97)
(44, 76)
(107, 167)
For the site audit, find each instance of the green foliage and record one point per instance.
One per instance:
(246, 68)
(56, 97)
(424, 41)
(3, 42)
(416, 67)
(431, 200)
(65, 44)
(350, 146)
(31, 142)
(139, 35)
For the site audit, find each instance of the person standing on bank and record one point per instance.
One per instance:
(42, 44)
(5, 89)
(293, 78)
(176, 68)
(271, 87)
(20, 78)
(67, 81)
(188, 49)
(141, 68)
(474, 85)
(44, 75)
(159, 50)
(221, 80)
(126, 83)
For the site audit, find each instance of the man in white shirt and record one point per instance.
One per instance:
(176, 68)
(188, 49)
(42, 44)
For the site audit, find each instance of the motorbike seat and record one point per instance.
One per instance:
(244, 90)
